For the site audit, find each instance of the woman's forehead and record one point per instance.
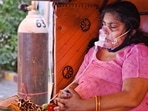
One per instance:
(111, 18)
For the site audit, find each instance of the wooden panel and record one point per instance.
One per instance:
(97, 2)
(71, 41)
(142, 5)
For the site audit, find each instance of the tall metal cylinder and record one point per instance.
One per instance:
(33, 58)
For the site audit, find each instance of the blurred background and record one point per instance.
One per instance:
(11, 14)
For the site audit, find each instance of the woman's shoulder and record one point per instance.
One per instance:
(91, 49)
(90, 52)
(140, 48)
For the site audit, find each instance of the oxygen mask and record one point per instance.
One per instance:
(106, 40)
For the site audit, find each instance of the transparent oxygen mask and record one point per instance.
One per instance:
(106, 40)
(102, 38)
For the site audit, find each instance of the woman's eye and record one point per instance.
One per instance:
(113, 27)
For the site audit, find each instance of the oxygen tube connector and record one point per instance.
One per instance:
(25, 7)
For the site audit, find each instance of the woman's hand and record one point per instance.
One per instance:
(69, 101)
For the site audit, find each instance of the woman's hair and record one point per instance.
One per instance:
(127, 13)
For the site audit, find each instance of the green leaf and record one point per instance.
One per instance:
(10, 18)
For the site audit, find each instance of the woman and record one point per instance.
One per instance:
(115, 76)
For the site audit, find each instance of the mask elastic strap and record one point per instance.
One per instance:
(122, 45)
(120, 36)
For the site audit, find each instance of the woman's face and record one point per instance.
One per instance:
(113, 29)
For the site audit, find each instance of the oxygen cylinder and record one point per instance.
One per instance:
(33, 58)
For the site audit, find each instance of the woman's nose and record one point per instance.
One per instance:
(105, 29)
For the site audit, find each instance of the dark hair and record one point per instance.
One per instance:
(127, 13)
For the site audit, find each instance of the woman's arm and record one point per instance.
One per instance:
(133, 92)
